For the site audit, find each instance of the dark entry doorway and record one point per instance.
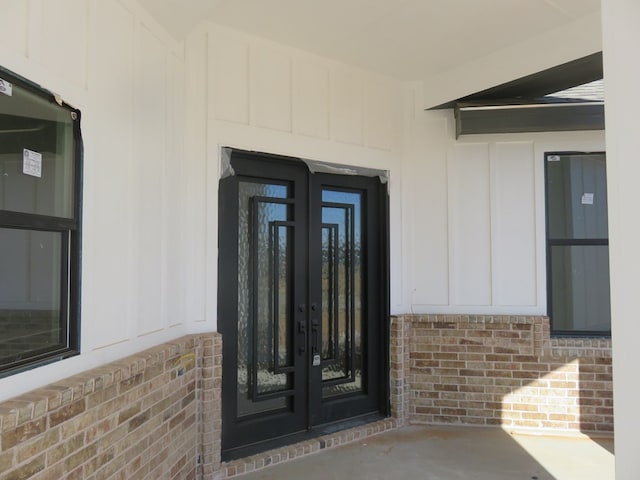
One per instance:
(303, 302)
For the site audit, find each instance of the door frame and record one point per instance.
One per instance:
(227, 318)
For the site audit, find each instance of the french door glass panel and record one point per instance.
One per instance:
(264, 291)
(341, 292)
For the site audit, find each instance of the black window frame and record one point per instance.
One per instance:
(70, 230)
(551, 242)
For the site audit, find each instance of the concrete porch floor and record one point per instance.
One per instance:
(445, 453)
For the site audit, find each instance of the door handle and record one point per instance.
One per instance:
(302, 331)
(315, 329)
(315, 343)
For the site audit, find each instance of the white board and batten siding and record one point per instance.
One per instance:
(111, 60)
(266, 97)
(477, 225)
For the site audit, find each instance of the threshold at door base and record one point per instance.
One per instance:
(296, 450)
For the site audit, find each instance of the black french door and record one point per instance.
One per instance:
(302, 301)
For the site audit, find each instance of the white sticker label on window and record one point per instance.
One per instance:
(587, 198)
(553, 158)
(6, 87)
(31, 163)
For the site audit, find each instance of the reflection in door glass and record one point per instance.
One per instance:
(342, 292)
(264, 293)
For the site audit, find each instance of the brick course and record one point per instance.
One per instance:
(148, 416)
(307, 447)
(500, 370)
(158, 414)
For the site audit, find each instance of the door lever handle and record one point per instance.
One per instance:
(302, 330)
(315, 328)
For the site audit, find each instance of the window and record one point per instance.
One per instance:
(40, 199)
(577, 244)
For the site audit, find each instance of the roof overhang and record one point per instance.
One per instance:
(524, 104)
(539, 115)
(536, 85)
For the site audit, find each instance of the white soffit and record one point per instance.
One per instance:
(405, 39)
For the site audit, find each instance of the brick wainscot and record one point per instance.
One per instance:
(499, 370)
(153, 415)
(157, 415)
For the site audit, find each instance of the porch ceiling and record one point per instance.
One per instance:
(405, 39)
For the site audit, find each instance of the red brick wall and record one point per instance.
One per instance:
(499, 370)
(153, 415)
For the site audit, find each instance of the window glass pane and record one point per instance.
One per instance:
(342, 293)
(30, 293)
(580, 283)
(36, 155)
(578, 276)
(264, 252)
(577, 196)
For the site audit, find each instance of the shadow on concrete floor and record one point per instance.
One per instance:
(450, 453)
(606, 443)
